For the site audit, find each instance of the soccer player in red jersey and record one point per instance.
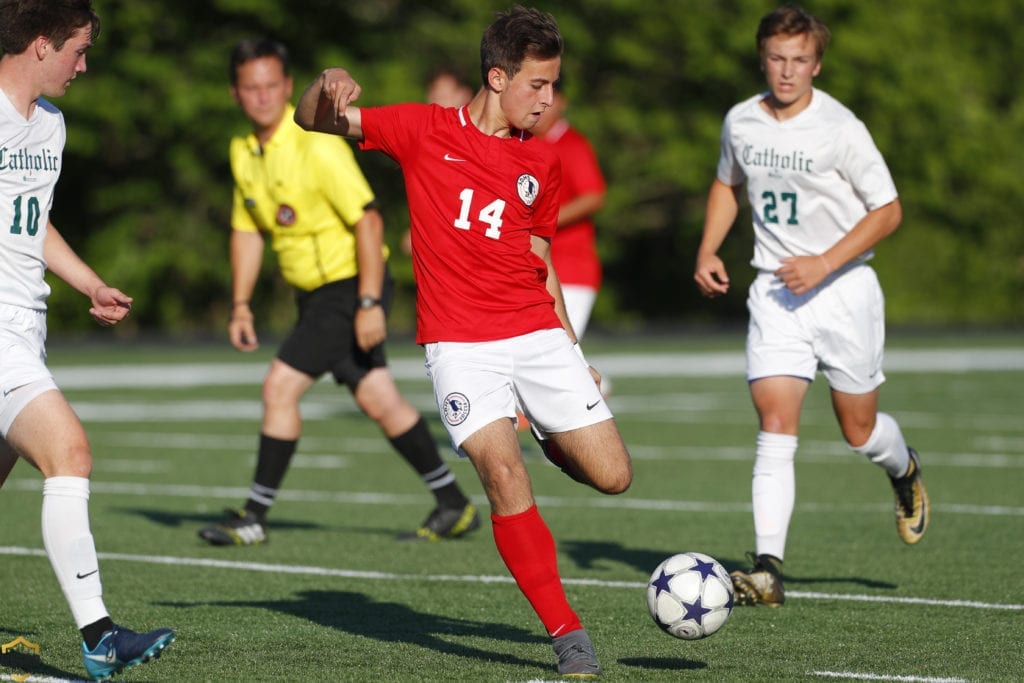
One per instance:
(483, 204)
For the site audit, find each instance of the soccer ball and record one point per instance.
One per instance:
(690, 596)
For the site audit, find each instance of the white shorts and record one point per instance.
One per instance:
(539, 373)
(23, 371)
(838, 328)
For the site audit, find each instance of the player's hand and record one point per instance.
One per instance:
(371, 327)
(710, 275)
(242, 330)
(109, 305)
(801, 274)
(338, 86)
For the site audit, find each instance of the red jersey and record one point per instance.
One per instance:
(574, 247)
(474, 201)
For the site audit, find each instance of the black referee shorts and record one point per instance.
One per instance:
(323, 339)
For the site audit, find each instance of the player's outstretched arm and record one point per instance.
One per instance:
(722, 209)
(246, 260)
(541, 246)
(324, 105)
(370, 323)
(108, 304)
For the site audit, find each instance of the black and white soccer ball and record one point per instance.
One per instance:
(690, 596)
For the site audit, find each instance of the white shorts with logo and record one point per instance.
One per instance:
(838, 328)
(23, 371)
(479, 382)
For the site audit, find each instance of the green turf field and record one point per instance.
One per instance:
(333, 597)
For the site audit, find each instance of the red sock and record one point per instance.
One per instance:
(528, 549)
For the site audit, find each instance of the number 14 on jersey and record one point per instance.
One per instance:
(489, 215)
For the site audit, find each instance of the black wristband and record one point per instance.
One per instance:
(367, 301)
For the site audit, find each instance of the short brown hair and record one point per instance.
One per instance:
(515, 35)
(22, 21)
(790, 20)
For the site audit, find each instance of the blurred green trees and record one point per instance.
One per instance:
(145, 192)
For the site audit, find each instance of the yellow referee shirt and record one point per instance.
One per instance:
(305, 190)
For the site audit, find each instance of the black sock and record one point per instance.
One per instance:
(419, 450)
(91, 633)
(272, 463)
(770, 564)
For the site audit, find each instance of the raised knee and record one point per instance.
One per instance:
(616, 481)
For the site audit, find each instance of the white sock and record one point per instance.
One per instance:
(774, 491)
(886, 447)
(70, 547)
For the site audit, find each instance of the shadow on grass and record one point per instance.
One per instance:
(589, 554)
(18, 663)
(391, 622)
(663, 663)
(174, 520)
(177, 519)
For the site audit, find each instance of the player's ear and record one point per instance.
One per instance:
(497, 79)
(41, 45)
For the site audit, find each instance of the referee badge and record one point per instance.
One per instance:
(455, 408)
(286, 216)
(528, 187)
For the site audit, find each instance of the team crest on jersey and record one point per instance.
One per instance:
(286, 216)
(528, 188)
(455, 408)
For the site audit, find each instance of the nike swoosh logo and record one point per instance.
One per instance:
(591, 406)
(449, 157)
(85, 575)
(107, 658)
(919, 527)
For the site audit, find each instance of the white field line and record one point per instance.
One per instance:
(884, 677)
(309, 570)
(379, 498)
(325, 452)
(713, 364)
(653, 408)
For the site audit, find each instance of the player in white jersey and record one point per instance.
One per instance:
(822, 198)
(44, 44)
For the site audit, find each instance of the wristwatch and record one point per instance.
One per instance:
(367, 301)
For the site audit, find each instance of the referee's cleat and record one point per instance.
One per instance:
(912, 504)
(576, 658)
(762, 585)
(241, 527)
(445, 523)
(121, 648)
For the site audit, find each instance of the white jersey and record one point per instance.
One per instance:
(30, 161)
(810, 179)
